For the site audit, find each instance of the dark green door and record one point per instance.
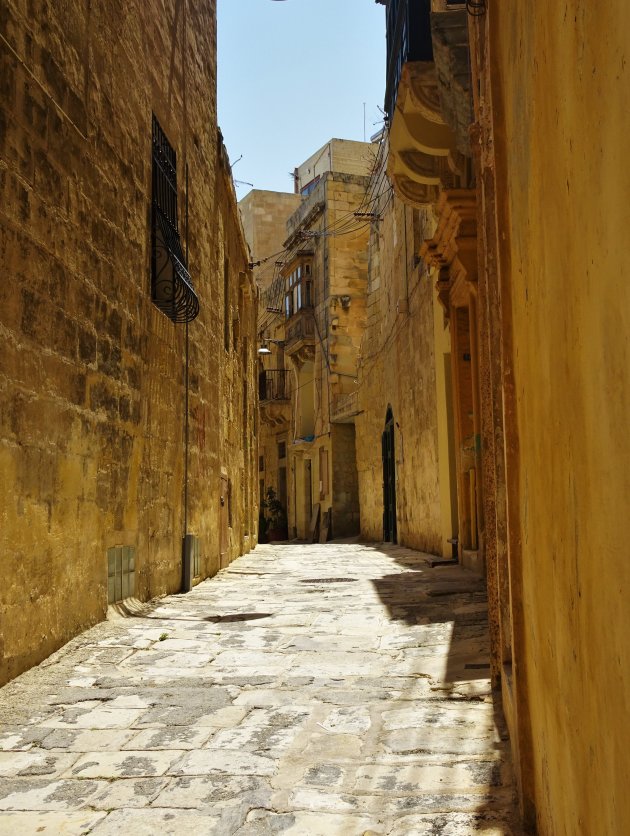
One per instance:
(389, 480)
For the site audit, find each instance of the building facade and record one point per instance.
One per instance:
(405, 444)
(324, 308)
(128, 318)
(311, 321)
(509, 123)
(265, 215)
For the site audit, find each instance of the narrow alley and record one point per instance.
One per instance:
(306, 689)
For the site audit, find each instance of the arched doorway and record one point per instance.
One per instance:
(389, 479)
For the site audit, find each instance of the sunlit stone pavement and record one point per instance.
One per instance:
(307, 689)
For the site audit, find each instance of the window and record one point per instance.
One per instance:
(261, 463)
(171, 287)
(308, 188)
(282, 449)
(298, 290)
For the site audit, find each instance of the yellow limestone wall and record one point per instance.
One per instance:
(238, 427)
(402, 365)
(339, 281)
(562, 120)
(91, 373)
(264, 215)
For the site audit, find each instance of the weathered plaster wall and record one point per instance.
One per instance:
(402, 366)
(561, 76)
(91, 373)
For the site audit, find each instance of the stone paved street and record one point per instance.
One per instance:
(307, 689)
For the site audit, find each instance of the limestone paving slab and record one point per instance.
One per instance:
(38, 794)
(99, 716)
(307, 689)
(303, 823)
(129, 764)
(168, 737)
(224, 761)
(49, 823)
(125, 793)
(34, 762)
(200, 791)
(456, 824)
(266, 731)
(85, 740)
(150, 822)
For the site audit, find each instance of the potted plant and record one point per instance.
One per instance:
(275, 516)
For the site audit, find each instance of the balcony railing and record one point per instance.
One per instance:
(273, 385)
(345, 406)
(408, 39)
(300, 328)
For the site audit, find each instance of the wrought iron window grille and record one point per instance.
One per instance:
(172, 290)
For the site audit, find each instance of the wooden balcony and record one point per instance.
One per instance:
(300, 334)
(273, 385)
(274, 396)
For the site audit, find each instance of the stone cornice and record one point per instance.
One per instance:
(453, 248)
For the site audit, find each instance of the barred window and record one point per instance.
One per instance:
(171, 287)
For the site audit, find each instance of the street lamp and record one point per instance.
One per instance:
(264, 350)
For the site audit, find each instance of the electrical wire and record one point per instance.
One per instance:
(353, 222)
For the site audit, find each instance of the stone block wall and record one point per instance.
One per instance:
(92, 374)
(402, 366)
(264, 215)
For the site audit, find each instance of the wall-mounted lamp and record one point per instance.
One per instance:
(264, 349)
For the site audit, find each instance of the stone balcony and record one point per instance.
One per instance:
(428, 100)
(344, 407)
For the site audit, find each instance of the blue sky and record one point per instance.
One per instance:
(291, 76)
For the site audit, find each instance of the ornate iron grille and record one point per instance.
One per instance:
(171, 287)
